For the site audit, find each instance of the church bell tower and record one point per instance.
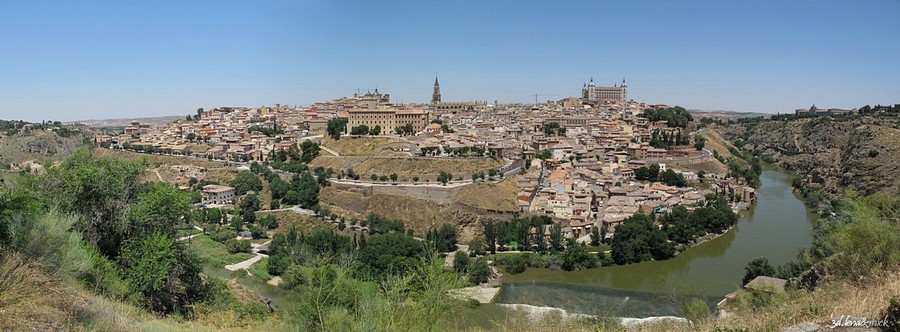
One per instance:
(436, 95)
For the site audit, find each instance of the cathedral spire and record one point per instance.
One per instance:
(436, 94)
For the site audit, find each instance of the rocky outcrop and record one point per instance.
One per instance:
(861, 154)
(38, 145)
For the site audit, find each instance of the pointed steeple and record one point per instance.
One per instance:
(436, 94)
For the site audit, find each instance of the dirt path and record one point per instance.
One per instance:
(326, 149)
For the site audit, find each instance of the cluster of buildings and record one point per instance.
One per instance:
(594, 144)
(815, 111)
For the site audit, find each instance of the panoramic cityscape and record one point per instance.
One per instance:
(470, 167)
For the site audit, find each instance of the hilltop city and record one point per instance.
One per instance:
(585, 161)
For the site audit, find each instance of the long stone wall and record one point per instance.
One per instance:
(438, 194)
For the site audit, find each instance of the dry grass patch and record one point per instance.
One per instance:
(29, 299)
(712, 166)
(425, 167)
(361, 146)
(286, 219)
(500, 196)
(832, 300)
(326, 160)
(715, 142)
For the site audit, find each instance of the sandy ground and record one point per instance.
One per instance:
(482, 294)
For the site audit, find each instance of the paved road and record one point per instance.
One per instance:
(295, 209)
(249, 262)
(188, 237)
(191, 236)
(246, 264)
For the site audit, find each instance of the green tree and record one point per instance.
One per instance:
(444, 177)
(595, 236)
(159, 209)
(250, 202)
(248, 216)
(336, 127)
(96, 188)
(516, 264)
(490, 235)
(164, 274)
(360, 130)
(391, 253)
(699, 142)
(757, 267)
(630, 242)
(306, 189)
(444, 238)
(376, 130)
(477, 246)
(238, 246)
(556, 237)
(246, 181)
(670, 178)
(310, 151)
(460, 262)
(577, 257)
(237, 224)
(479, 271)
(647, 173)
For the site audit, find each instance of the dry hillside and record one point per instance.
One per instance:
(417, 214)
(500, 196)
(40, 145)
(361, 146)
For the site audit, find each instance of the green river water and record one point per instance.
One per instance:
(776, 227)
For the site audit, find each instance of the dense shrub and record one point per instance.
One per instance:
(479, 271)
(236, 246)
(461, 261)
(516, 264)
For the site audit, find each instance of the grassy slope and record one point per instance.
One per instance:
(214, 252)
(286, 219)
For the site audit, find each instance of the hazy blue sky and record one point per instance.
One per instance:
(70, 60)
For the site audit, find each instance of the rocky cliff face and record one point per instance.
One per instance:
(39, 145)
(861, 154)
